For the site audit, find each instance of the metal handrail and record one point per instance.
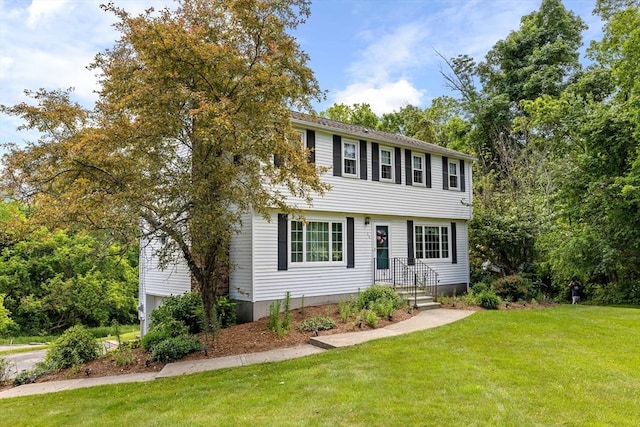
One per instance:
(408, 274)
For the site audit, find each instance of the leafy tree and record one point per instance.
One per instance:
(6, 324)
(194, 104)
(594, 131)
(55, 280)
(357, 114)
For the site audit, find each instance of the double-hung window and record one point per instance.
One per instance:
(431, 242)
(350, 158)
(386, 164)
(317, 242)
(418, 169)
(453, 175)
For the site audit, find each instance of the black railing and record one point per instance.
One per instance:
(407, 274)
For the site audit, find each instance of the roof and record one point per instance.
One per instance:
(361, 132)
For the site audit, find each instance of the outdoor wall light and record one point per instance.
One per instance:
(367, 220)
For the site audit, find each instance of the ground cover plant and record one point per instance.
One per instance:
(565, 365)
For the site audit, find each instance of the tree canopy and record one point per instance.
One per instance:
(194, 103)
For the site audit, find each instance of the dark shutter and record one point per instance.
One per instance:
(351, 256)
(283, 244)
(410, 244)
(408, 167)
(363, 159)
(375, 161)
(311, 145)
(337, 155)
(427, 160)
(397, 158)
(454, 244)
(277, 160)
(445, 173)
(462, 175)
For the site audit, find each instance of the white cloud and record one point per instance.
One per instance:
(42, 10)
(383, 97)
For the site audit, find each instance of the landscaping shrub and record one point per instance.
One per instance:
(186, 308)
(316, 323)
(162, 331)
(31, 375)
(370, 318)
(480, 287)
(175, 348)
(280, 325)
(5, 369)
(226, 312)
(510, 287)
(74, 347)
(378, 294)
(346, 309)
(489, 300)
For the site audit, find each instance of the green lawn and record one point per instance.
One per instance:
(564, 366)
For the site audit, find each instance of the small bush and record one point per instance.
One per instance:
(489, 300)
(186, 308)
(175, 348)
(384, 308)
(226, 312)
(377, 294)
(280, 325)
(162, 331)
(6, 366)
(512, 287)
(480, 287)
(316, 323)
(346, 309)
(74, 347)
(29, 376)
(123, 356)
(370, 318)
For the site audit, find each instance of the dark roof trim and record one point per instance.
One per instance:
(359, 132)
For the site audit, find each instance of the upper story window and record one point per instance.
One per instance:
(431, 242)
(453, 175)
(350, 158)
(386, 164)
(418, 169)
(316, 242)
(301, 138)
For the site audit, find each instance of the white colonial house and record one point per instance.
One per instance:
(397, 213)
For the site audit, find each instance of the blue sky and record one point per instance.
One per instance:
(380, 52)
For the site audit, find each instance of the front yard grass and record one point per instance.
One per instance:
(568, 365)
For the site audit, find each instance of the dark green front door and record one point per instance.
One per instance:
(382, 247)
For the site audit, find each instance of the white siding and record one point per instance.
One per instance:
(174, 280)
(271, 284)
(385, 198)
(241, 254)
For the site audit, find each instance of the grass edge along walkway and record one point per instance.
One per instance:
(557, 366)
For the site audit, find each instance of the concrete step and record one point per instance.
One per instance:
(428, 306)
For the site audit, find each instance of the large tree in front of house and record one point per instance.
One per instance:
(194, 104)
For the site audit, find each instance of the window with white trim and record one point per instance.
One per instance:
(386, 164)
(302, 138)
(316, 242)
(418, 169)
(349, 158)
(431, 242)
(453, 175)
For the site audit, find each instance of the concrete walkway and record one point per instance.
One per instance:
(424, 320)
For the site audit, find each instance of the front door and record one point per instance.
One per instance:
(382, 247)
